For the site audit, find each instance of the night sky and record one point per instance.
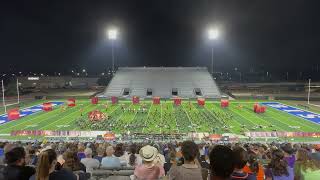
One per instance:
(64, 35)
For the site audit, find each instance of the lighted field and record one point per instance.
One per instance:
(164, 118)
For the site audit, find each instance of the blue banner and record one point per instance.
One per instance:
(307, 115)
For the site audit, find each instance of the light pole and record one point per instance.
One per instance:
(212, 35)
(112, 35)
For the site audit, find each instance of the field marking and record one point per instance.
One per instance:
(88, 109)
(287, 115)
(145, 124)
(268, 123)
(76, 127)
(189, 119)
(309, 120)
(31, 119)
(215, 107)
(58, 120)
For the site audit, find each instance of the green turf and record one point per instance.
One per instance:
(165, 118)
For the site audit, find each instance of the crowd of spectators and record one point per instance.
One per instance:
(151, 161)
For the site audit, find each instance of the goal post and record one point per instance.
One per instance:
(313, 96)
(5, 105)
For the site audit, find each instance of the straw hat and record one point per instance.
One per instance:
(148, 153)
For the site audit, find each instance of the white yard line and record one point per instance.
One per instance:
(189, 119)
(145, 124)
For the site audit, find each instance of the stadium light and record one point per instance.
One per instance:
(112, 35)
(213, 34)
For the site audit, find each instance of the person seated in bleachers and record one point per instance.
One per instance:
(189, 170)
(240, 158)
(148, 170)
(100, 154)
(221, 163)
(110, 160)
(16, 165)
(46, 168)
(88, 161)
(72, 163)
(120, 153)
(132, 158)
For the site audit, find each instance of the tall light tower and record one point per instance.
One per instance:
(213, 34)
(112, 35)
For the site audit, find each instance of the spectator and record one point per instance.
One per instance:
(288, 154)
(110, 160)
(148, 170)
(46, 168)
(119, 153)
(306, 168)
(160, 158)
(81, 149)
(170, 162)
(2, 153)
(33, 157)
(72, 163)
(253, 166)
(278, 167)
(240, 158)
(221, 162)
(133, 159)
(189, 170)
(100, 154)
(88, 161)
(16, 169)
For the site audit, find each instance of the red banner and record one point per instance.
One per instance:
(156, 100)
(201, 101)
(177, 101)
(283, 134)
(94, 100)
(114, 100)
(224, 103)
(47, 106)
(135, 100)
(71, 102)
(13, 114)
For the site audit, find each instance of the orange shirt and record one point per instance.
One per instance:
(259, 175)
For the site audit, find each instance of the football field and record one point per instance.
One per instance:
(164, 118)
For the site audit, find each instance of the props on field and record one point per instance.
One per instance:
(47, 106)
(96, 116)
(94, 100)
(201, 101)
(71, 102)
(257, 108)
(177, 101)
(114, 100)
(224, 103)
(109, 136)
(135, 100)
(156, 100)
(13, 114)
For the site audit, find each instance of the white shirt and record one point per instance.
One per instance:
(90, 163)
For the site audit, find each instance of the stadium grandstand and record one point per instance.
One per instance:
(164, 82)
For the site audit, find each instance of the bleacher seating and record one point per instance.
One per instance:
(161, 80)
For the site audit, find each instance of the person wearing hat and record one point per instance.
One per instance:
(149, 170)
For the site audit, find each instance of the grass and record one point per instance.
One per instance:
(166, 118)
